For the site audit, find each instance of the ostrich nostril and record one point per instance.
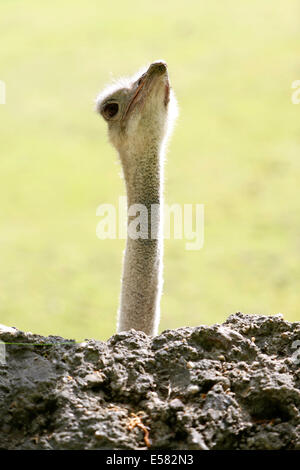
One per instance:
(161, 67)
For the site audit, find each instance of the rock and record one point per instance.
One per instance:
(209, 387)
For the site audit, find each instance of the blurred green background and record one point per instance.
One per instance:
(235, 149)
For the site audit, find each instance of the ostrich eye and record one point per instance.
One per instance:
(110, 110)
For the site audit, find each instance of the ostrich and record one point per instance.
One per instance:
(140, 112)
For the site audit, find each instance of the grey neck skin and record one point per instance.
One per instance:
(142, 268)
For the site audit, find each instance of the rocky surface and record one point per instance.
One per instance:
(229, 386)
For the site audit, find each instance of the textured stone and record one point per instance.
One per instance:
(229, 386)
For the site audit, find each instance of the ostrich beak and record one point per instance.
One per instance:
(145, 82)
(158, 68)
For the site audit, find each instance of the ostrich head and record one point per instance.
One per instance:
(139, 111)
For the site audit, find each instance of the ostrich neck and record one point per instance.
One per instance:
(142, 268)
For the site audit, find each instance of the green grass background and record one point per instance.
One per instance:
(235, 149)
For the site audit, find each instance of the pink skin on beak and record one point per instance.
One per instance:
(156, 69)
